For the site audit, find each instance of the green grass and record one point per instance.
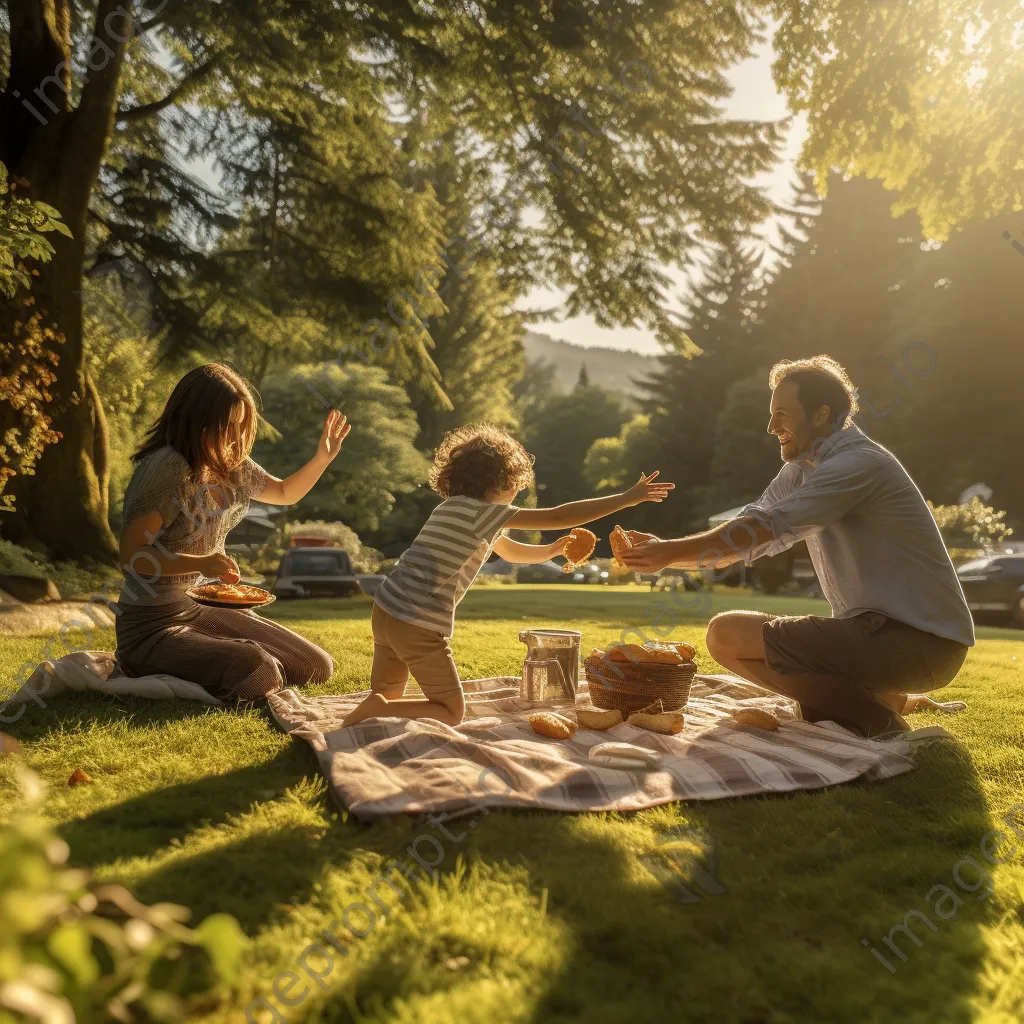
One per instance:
(546, 917)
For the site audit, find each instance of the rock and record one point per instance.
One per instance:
(29, 588)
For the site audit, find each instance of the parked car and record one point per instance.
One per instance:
(315, 572)
(589, 572)
(542, 572)
(994, 588)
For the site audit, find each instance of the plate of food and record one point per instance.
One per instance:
(230, 595)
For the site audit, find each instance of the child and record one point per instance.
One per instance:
(478, 470)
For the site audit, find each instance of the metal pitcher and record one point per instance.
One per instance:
(551, 671)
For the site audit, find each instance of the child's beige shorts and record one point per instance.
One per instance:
(400, 648)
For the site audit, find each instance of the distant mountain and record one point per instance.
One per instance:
(609, 368)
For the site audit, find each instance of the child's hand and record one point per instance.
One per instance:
(645, 489)
(336, 428)
(558, 547)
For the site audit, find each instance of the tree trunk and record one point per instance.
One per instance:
(58, 151)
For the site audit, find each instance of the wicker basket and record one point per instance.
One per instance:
(628, 686)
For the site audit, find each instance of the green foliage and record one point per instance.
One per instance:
(23, 223)
(364, 559)
(973, 524)
(19, 561)
(28, 356)
(71, 579)
(378, 460)
(561, 432)
(121, 354)
(71, 949)
(613, 463)
(922, 95)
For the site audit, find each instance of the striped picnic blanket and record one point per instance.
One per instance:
(494, 759)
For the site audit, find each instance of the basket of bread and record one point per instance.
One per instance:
(631, 677)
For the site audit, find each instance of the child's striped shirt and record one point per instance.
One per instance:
(433, 575)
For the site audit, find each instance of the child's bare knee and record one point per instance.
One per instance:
(456, 707)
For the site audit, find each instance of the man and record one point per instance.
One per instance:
(900, 623)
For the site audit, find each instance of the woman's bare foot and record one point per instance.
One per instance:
(375, 706)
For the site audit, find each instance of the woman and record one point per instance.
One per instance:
(192, 483)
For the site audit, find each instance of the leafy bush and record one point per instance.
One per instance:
(18, 561)
(27, 356)
(971, 525)
(70, 578)
(71, 950)
(268, 557)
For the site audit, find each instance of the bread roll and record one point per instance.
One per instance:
(620, 542)
(667, 722)
(580, 547)
(756, 718)
(595, 718)
(547, 723)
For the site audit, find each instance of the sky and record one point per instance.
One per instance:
(754, 98)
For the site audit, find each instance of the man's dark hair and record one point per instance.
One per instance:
(820, 381)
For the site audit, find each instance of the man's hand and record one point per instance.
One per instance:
(649, 556)
(645, 489)
(336, 428)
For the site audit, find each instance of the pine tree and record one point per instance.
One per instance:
(684, 398)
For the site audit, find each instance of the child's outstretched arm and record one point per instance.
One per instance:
(529, 554)
(295, 487)
(576, 513)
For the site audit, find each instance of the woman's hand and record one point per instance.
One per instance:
(336, 428)
(220, 565)
(645, 489)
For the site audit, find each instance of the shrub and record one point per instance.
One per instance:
(971, 525)
(71, 950)
(364, 559)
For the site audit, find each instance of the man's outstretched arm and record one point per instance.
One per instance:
(731, 542)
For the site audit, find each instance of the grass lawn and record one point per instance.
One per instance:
(547, 917)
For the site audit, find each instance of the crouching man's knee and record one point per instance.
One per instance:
(721, 636)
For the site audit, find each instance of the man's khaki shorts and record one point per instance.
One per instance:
(833, 667)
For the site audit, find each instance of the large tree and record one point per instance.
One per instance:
(607, 122)
(923, 95)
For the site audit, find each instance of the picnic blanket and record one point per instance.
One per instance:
(98, 672)
(387, 766)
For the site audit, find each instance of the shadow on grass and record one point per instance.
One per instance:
(807, 876)
(151, 821)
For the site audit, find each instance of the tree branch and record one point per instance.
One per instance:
(188, 82)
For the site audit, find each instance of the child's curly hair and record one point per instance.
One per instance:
(477, 460)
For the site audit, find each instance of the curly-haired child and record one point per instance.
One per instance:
(478, 470)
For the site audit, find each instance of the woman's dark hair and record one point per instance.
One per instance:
(820, 381)
(478, 460)
(197, 421)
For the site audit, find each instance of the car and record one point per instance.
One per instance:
(315, 572)
(588, 572)
(541, 572)
(994, 588)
